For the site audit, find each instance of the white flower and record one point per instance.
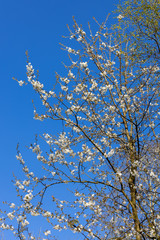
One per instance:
(25, 169)
(51, 157)
(34, 213)
(28, 197)
(18, 183)
(103, 44)
(31, 174)
(152, 173)
(155, 69)
(64, 88)
(103, 74)
(69, 97)
(57, 227)
(25, 223)
(88, 204)
(12, 205)
(65, 80)
(37, 85)
(119, 174)
(47, 214)
(20, 219)
(79, 39)
(112, 108)
(94, 85)
(46, 233)
(30, 70)
(36, 149)
(70, 50)
(79, 87)
(120, 17)
(109, 63)
(83, 65)
(70, 74)
(51, 93)
(26, 182)
(21, 83)
(76, 129)
(4, 226)
(110, 153)
(53, 173)
(10, 215)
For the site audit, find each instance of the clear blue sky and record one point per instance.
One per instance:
(36, 26)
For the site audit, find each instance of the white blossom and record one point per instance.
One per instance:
(21, 83)
(12, 205)
(10, 215)
(47, 232)
(83, 65)
(28, 197)
(120, 17)
(47, 214)
(70, 74)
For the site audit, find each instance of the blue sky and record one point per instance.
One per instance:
(36, 26)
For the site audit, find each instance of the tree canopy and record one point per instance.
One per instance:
(142, 20)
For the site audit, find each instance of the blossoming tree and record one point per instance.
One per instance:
(107, 154)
